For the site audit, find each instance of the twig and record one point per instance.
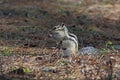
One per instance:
(1, 60)
(110, 70)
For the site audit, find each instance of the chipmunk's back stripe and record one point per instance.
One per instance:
(72, 39)
(73, 35)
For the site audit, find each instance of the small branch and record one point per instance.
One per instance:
(1, 59)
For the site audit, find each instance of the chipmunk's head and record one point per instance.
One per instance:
(59, 27)
(58, 32)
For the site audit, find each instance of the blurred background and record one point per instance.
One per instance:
(93, 21)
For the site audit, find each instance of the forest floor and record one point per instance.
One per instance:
(27, 53)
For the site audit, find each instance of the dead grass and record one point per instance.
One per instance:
(24, 28)
(50, 65)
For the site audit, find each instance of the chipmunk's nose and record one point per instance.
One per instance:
(50, 35)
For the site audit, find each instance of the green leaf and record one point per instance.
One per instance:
(7, 52)
(108, 43)
(26, 70)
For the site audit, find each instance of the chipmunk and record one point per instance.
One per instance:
(69, 40)
(57, 32)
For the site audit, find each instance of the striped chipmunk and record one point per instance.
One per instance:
(69, 41)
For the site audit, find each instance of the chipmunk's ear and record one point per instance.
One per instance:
(62, 24)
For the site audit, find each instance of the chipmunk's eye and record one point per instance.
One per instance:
(54, 28)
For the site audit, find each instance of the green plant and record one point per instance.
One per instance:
(21, 69)
(110, 45)
(7, 52)
(26, 70)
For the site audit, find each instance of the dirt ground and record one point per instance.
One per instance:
(27, 53)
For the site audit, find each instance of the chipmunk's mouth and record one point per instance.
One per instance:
(50, 35)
